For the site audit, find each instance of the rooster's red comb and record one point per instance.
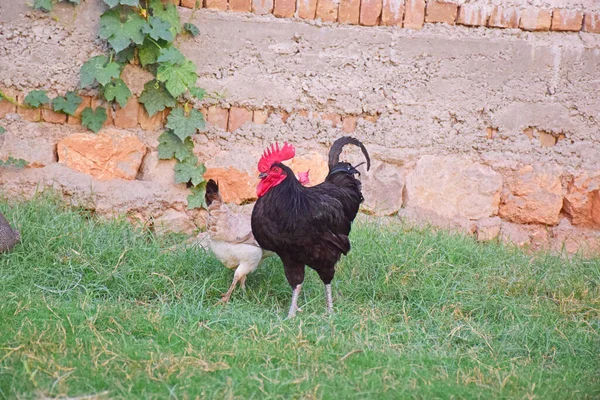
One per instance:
(274, 155)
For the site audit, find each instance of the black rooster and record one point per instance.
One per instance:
(307, 225)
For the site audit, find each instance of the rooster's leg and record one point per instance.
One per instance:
(329, 298)
(294, 307)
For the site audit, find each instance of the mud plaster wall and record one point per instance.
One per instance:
(440, 91)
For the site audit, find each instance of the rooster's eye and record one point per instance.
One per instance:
(276, 169)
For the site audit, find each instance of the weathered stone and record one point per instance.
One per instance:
(532, 196)
(29, 141)
(135, 77)
(6, 107)
(488, 228)
(382, 188)
(454, 187)
(236, 174)
(107, 155)
(566, 238)
(111, 198)
(533, 236)
(313, 162)
(155, 170)
(582, 200)
(174, 221)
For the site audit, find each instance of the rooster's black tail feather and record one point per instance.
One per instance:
(338, 145)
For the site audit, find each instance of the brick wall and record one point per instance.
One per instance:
(478, 117)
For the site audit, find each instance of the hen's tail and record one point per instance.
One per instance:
(336, 150)
(212, 192)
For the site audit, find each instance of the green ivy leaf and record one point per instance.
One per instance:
(148, 52)
(67, 104)
(189, 170)
(184, 126)
(99, 69)
(117, 90)
(36, 98)
(13, 162)
(158, 29)
(167, 12)
(120, 34)
(74, 1)
(125, 56)
(191, 28)
(178, 78)
(155, 98)
(44, 5)
(197, 199)
(93, 119)
(197, 92)
(114, 3)
(170, 146)
(2, 130)
(171, 55)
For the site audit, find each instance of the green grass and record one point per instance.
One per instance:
(92, 308)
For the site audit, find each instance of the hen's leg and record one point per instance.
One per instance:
(294, 307)
(227, 295)
(329, 298)
(243, 283)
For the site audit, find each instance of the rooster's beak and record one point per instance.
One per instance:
(262, 175)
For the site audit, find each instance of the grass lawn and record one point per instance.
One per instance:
(90, 308)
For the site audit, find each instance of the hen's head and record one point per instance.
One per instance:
(272, 172)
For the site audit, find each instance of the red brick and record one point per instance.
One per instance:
(438, 11)
(262, 7)
(327, 10)
(370, 11)
(238, 116)
(335, 119)
(303, 113)
(284, 116)
(127, 117)
(108, 107)
(220, 5)
(566, 20)
(6, 107)
(29, 114)
(349, 124)
(371, 118)
(218, 116)
(591, 23)
(86, 101)
(535, 19)
(240, 5)
(392, 12)
(260, 116)
(150, 123)
(53, 117)
(284, 8)
(472, 15)
(191, 3)
(414, 14)
(504, 17)
(349, 12)
(307, 9)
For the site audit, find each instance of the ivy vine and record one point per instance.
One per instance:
(142, 32)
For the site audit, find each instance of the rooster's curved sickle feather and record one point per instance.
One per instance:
(336, 150)
(275, 155)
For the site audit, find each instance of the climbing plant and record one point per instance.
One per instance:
(143, 32)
